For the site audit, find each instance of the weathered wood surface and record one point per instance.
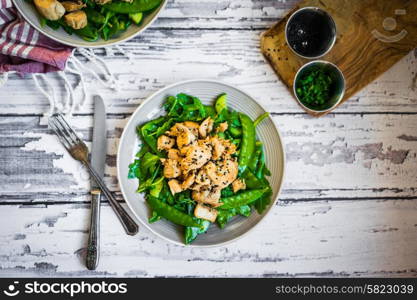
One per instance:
(319, 238)
(348, 207)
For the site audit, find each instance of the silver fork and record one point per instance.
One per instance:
(79, 151)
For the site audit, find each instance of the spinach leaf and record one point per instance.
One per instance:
(191, 233)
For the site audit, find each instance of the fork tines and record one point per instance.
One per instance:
(65, 133)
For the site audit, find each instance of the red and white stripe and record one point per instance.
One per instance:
(19, 39)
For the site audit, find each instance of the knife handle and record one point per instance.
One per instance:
(93, 247)
(128, 223)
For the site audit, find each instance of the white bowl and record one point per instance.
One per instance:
(29, 12)
(206, 91)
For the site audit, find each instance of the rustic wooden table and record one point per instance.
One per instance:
(349, 202)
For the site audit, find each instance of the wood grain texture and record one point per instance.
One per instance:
(320, 238)
(187, 54)
(360, 55)
(222, 14)
(348, 207)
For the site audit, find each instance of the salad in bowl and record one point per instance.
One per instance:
(201, 164)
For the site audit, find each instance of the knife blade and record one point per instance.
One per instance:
(99, 146)
(98, 162)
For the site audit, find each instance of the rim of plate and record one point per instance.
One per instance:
(97, 44)
(148, 99)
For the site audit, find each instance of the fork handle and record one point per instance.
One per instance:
(93, 247)
(128, 223)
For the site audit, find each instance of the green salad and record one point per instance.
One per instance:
(92, 19)
(201, 164)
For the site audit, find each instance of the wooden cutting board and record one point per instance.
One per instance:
(372, 35)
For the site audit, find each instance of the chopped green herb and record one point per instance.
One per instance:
(314, 87)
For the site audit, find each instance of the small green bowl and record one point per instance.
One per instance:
(337, 89)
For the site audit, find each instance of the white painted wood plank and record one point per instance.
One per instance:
(223, 13)
(362, 238)
(341, 157)
(159, 58)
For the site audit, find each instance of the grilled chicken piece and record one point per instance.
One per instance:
(76, 19)
(174, 131)
(222, 127)
(206, 127)
(71, 6)
(50, 9)
(171, 168)
(198, 187)
(238, 185)
(189, 161)
(185, 136)
(205, 212)
(165, 142)
(223, 173)
(218, 148)
(184, 150)
(202, 178)
(189, 180)
(102, 2)
(174, 154)
(174, 186)
(229, 148)
(195, 158)
(207, 195)
(178, 128)
(193, 126)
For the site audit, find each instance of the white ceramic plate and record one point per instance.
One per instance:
(29, 12)
(207, 91)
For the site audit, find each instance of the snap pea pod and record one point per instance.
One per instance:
(248, 141)
(171, 214)
(261, 118)
(255, 157)
(252, 182)
(263, 201)
(243, 198)
(261, 165)
(134, 7)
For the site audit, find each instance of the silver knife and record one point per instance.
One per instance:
(98, 162)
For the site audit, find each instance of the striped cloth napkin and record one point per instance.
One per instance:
(23, 49)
